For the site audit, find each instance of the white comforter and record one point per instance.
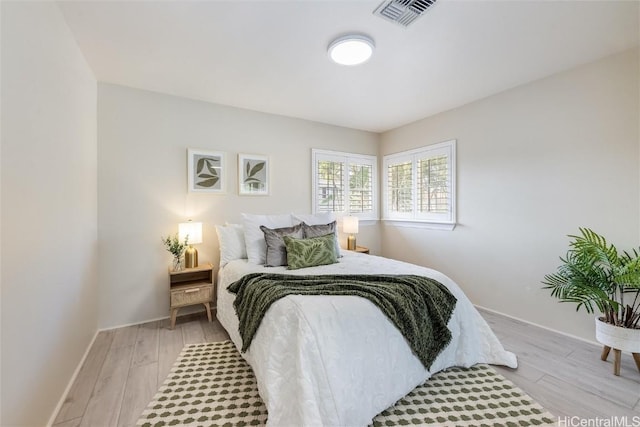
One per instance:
(338, 360)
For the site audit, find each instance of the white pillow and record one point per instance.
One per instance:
(254, 237)
(231, 241)
(314, 219)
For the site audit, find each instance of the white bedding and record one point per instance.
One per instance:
(338, 360)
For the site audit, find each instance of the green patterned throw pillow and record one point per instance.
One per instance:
(310, 252)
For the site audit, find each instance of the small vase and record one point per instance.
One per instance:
(177, 264)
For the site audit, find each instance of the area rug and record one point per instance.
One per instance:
(211, 385)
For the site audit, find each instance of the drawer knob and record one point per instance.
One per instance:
(188, 291)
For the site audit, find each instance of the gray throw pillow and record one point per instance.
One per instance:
(322, 230)
(276, 250)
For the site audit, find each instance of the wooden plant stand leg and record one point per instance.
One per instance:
(616, 363)
(617, 356)
(636, 357)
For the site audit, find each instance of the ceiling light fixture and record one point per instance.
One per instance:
(351, 49)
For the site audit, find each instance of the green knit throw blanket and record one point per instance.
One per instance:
(418, 306)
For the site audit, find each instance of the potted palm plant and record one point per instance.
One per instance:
(594, 274)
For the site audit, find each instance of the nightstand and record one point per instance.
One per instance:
(362, 249)
(191, 286)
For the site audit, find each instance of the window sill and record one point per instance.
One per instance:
(429, 225)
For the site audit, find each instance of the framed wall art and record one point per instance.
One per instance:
(206, 171)
(253, 175)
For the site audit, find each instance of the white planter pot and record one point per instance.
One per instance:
(624, 339)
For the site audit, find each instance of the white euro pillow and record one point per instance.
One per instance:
(231, 242)
(254, 237)
(314, 219)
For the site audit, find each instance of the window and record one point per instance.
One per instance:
(419, 185)
(345, 183)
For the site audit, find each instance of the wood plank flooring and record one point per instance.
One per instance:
(565, 375)
(125, 367)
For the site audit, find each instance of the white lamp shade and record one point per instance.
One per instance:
(350, 224)
(191, 229)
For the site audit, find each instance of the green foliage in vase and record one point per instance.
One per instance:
(174, 245)
(594, 274)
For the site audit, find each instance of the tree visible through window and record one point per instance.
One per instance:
(433, 184)
(400, 184)
(330, 194)
(360, 188)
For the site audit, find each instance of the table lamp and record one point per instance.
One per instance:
(350, 226)
(194, 231)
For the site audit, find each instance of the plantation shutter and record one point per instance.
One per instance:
(344, 183)
(419, 184)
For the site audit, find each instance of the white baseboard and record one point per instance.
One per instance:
(132, 324)
(186, 313)
(53, 417)
(538, 326)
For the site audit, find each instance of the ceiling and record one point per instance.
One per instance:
(271, 56)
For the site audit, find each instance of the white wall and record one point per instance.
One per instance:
(534, 164)
(49, 210)
(142, 185)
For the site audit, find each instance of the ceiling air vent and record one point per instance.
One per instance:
(403, 12)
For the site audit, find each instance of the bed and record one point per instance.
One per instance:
(337, 360)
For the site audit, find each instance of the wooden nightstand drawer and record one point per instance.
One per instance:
(191, 295)
(189, 287)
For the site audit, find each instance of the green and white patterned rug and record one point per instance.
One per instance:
(212, 385)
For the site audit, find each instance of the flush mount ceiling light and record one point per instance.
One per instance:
(351, 49)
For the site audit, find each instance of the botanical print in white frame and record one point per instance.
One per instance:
(253, 175)
(206, 171)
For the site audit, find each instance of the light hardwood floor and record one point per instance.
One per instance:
(125, 367)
